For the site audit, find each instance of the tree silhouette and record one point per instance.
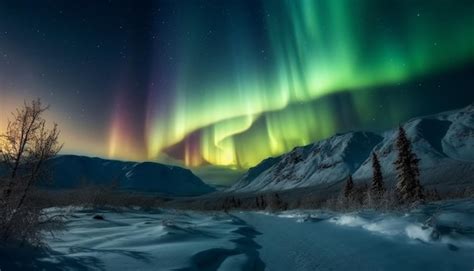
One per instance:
(378, 186)
(408, 186)
(25, 147)
(349, 187)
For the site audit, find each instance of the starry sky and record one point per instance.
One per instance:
(229, 83)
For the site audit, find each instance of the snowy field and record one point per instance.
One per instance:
(435, 237)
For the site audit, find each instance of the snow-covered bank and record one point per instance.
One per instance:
(135, 240)
(451, 224)
(434, 237)
(437, 236)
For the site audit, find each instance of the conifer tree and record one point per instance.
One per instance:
(349, 187)
(262, 202)
(408, 186)
(378, 186)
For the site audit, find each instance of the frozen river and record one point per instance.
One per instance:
(435, 237)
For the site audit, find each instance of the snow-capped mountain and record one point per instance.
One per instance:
(71, 171)
(444, 143)
(326, 161)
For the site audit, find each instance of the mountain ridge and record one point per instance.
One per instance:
(70, 171)
(443, 141)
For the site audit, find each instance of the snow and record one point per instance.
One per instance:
(438, 236)
(322, 162)
(444, 142)
(369, 240)
(153, 240)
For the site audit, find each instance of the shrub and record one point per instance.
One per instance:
(25, 147)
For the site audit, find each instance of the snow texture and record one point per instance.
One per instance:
(437, 236)
(444, 143)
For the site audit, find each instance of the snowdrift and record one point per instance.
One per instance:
(436, 236)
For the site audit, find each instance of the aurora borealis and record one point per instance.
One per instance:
(230, 83)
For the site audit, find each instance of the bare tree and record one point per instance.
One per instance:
(25, 147)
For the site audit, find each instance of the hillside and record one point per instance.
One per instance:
(72, 171)
(444, 142)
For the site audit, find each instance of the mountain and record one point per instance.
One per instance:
(326, 161)
(69, 171)
(444, 142)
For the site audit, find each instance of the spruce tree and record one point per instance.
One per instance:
(378, 186)
(349, 187)
(408, 186)
(262, 202)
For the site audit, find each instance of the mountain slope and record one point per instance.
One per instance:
(71, 171)
(323, 162)
(444, 142)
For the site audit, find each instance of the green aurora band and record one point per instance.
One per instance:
(261, 92)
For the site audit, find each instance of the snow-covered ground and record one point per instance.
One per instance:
(434, 237)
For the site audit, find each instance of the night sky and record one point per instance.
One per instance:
(230, 83)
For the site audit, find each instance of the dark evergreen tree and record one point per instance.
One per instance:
(278, 200)
(349, 188)
(262, 202)
(378, 186)
(408, 186)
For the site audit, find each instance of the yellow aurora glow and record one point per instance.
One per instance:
(318, 48)
(261, 82)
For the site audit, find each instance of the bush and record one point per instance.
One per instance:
(29, 222)
(25, 147)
